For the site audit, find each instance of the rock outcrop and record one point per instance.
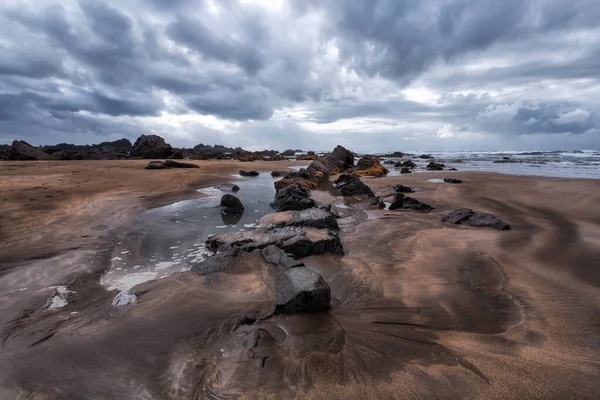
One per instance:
(230, 204)
(369, 166)
(293, 197)
(151, 146)
(351, 185)
(168, 164)
(23, 151)
(404, 202)
(466, 216)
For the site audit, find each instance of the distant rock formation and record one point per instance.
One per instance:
(151, 146)
(23, 151)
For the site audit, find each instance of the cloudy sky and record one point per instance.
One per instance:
(374, 75)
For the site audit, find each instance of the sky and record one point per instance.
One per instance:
(372, 75)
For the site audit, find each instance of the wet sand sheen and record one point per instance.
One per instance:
(421, 310)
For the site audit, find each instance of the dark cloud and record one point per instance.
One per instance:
(419, 71)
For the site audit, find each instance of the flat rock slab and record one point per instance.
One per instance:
(298, 241)
(466, 216)
(301, 290)
(312, 217)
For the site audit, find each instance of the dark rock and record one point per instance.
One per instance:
(288, 153)
(404, 202)
(405, 170)
(395, 154)
(231, 204)
(312, 218)
(433, 166)
(301, 290)
(23, 151)
(452, 180)
(4, 152)
(235, 188)
(425, 156)
(452, 169)
(351, 185)
(402, 189)
(168, 164)
(409, 164)
(151, 146)
(217, 263)
(333, 163)
(276, 174)
(466, 216)
(279, 258)
(506, 158)
(367, 162)
(293, 197)
(249, 173)
(389, 162)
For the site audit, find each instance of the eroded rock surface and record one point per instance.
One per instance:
(293, 197)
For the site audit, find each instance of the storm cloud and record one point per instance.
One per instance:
(414, 74)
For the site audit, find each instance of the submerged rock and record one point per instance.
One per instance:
(249, 173)
(301, 290)
(231, 204)
(404, 202)
(402, 189)
(433, 166)
(409, 164)
(405, 170)
(466, 216)
(452, 180)
(168, 164)
(425, 156)
(351, 185)
(293, 197)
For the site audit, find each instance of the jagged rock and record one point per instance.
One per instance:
(279, 258)
(409, 164)
(293, 197)
(168, 164)
(23, 151)
(404, 202)
(466, 216)
(351, 185)
(276, 174)
(432, 166)
(231, 204)
(452, 180)
(369, 166)
(301, 290)
(313, 217)
(151, 146)
(405, 170)
(333, 163)
(402, 189)
(298, 241)
(249, 173)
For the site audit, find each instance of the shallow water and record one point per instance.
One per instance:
(170, 239)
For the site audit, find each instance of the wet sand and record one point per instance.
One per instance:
(420, 310)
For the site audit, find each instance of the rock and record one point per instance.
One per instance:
(288, 153)
(307, 157)
(298, 241)
(367, 162)
(409, 164)
(249, 173)
(405, 170)
(452, 180)
(333, 163)
(151, 146)
(389, 162)
(293, 197)
(23, 151)
(168, 164)
(313, 218)
(425, 156)
(404, 202)
(466, 216)
(276, 174)
(506, 158)
(395, 154)
(235, 188)
(231, 204)
(351, 185)
(369, 166)
(280, 259)
(402, 189)
(432, 166)
(452, 169)
(217, 263)
(301, 290)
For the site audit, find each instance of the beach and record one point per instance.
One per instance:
(420, 308)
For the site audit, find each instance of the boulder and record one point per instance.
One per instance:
(404, 202)
(168, 164)
(369, 166)
(230, 204)
(311, 218)
(433, 166)
(405, 170)
(151, 146)
(249, 173)
(402, 189)
(351, 185)
(276, 174)
(409, 164)
(466, 216)
(23, 151)
(300, 290)
(235, 188)
(293, 197)
(452, 180)
(333, 163)
(389, 162)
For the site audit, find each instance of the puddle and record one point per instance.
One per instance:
(170, 239)
(435, 180)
